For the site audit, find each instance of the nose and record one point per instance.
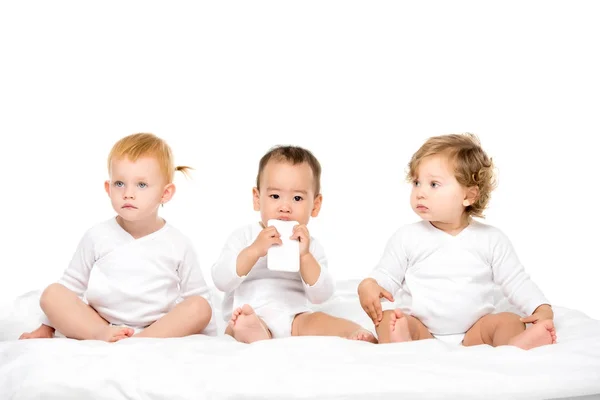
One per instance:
(419, 192)
(128, 193)
(284, 207)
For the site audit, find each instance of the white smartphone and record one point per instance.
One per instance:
(284, 257)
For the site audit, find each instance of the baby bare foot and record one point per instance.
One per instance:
(109, 333)
(43, 332)
(364, 335)
(247, 326)
(540, 334)
(399, 331)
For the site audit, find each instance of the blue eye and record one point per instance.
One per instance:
(119, 184)
(297, 198)
(274, 196)
(142, 185)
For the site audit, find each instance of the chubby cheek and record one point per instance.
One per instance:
(268, 210)
(304, 213)
(448, 208)
(413, 200)
(114, 197)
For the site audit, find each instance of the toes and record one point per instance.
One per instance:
(246, 309)
(118, 337)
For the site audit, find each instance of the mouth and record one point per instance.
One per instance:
(284, 218)
(421, 207)
(129, 207)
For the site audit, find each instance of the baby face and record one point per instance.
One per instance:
(287, 192)
(436, 194)
(136, 188)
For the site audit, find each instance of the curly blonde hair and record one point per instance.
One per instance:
(472, 166)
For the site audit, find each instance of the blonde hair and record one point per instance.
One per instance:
(293, 155)
(472, 166)
(147, 145)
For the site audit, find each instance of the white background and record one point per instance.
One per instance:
(361, 84)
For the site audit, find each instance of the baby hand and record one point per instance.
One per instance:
(542, 313)
(300, 233)
(43, 332)
(265, 239)
(370, 294)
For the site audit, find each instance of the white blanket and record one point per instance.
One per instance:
(200, 367)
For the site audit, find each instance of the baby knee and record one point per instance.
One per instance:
(200, 307)
(49, 293)
(320, 314)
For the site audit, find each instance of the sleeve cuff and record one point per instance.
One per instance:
(322, 290)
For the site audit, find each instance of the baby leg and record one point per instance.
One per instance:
(247, 327)
(189, 317)
(396, 326)
(507, 328)
(322, 324)
(75, 319)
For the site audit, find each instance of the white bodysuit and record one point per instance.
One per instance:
(134, 282)
(447, 281)
(276, 296)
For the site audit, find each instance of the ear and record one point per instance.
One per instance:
(168, 193)
(107, 187)
(256, 199)
(471, 195)
(317, 206)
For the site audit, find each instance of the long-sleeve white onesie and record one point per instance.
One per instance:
(276, 296)
(134, 282)
(447, 281)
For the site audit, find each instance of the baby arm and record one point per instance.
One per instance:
(508, 272)
(384, 280)
(237, 260)
(319, 285)
(193, 314)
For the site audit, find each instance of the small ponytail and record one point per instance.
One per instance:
(185, 170)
